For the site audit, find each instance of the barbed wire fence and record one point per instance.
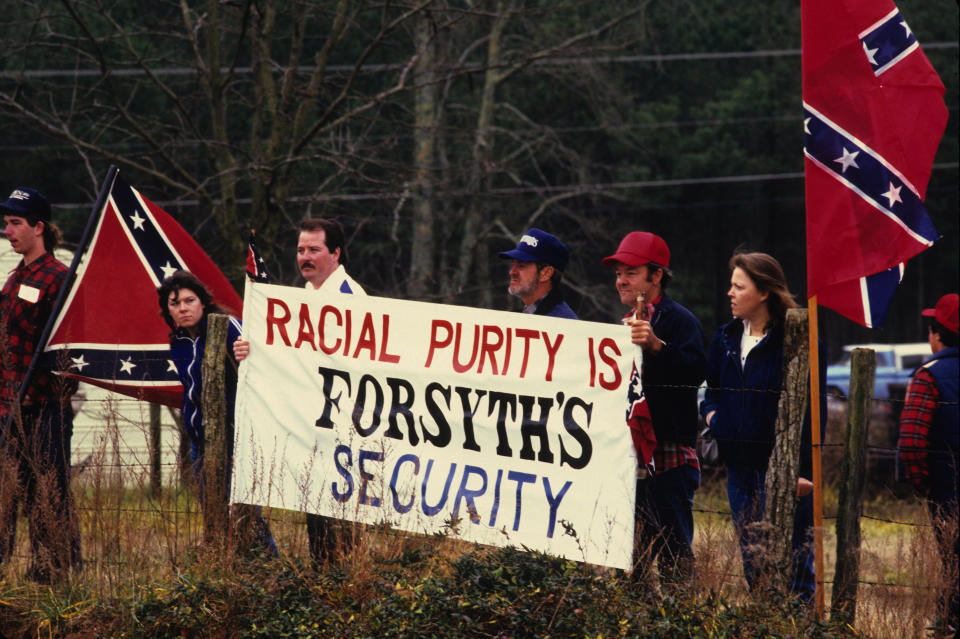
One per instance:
(114, 430)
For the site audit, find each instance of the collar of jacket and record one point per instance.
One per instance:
(732, 333)
(181, 333)
(548, 302)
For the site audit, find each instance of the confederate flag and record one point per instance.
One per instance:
(256, 267)
(873, 118)
(109, 325)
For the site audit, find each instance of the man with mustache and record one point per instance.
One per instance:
(321, 256)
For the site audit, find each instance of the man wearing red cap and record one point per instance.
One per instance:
(928, 446)
(674, 366)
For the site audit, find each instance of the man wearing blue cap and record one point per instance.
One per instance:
(538, 264)
(36, 420)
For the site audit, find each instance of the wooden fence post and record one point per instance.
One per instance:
(784, 467)
(156, 479)
(863, 366)
(215, 437)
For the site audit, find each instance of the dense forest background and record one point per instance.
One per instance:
(438, 131)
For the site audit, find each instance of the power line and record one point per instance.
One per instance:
(520, 190)
(379, 68)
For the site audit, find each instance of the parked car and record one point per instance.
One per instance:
(895, 365)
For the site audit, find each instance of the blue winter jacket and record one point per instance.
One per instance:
(671, 377)
(944, 435)
(187, 355)
(746, 398)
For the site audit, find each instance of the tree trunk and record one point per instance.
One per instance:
(426, 126)
(783, 470)
(479, 181)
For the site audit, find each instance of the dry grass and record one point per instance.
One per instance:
(900, 569)
(133, 541)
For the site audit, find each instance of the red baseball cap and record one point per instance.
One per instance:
(945, 312)
(639, 248)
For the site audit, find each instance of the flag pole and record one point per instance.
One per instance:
(67, 280)
(815, 426)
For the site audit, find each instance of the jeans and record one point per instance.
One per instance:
(664, 515)
(746, 492)
(35, 473)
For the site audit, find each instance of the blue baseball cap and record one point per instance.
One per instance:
(29, 203)
(540, 246)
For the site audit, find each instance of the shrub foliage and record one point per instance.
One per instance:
(483, 592)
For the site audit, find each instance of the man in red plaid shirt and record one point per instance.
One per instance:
(928, 446)
(36, 421)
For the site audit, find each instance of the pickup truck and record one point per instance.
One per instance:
(895, 365)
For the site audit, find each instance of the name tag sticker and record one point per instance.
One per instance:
(29, 293)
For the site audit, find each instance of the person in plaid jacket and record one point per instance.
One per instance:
(36, 420)
(928, 446)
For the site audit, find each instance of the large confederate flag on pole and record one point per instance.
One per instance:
(108, 331)
(873, 118)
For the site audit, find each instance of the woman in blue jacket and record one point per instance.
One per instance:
(744, 370)
(185, 303)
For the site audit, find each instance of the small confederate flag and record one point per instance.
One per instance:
(639, 421)
(638, 413)
(256, 268)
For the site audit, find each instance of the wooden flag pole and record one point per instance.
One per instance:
(815, 441)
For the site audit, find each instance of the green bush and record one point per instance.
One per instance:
(485, 592)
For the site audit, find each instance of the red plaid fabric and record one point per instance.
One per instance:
(915, 421)
(25, 305)
(670, 455)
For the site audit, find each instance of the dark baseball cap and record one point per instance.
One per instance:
(540, 246)
(945, 312)
(638, 248)
(26, 202)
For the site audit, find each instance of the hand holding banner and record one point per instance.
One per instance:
(422, 415)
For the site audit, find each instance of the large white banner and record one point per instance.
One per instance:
(494, 427)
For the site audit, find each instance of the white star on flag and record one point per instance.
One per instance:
(79, 363)
(806, 125)
(171, 367)
(906, 28)
(137, 220)
(848, 160)
(870, 53)
(127, 366)
(893, 195)
(168, 270)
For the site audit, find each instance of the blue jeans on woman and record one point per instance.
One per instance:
(746, 492)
